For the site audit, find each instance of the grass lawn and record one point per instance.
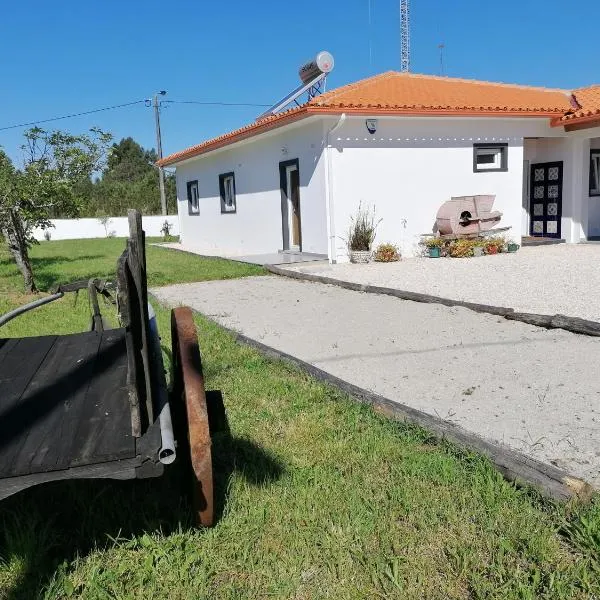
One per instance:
(68, 260)
(318, 496)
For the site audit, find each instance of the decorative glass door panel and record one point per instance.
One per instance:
(546, 199)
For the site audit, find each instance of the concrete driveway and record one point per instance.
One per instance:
(534, 390)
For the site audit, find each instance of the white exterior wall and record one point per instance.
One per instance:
(407, 169)
(545, 150)
(592, 201)
(78, 229)
(410, 166)
(580, 212)
(256, 226)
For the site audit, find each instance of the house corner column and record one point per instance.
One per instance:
(574, 192)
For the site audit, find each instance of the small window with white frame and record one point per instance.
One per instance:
(193, 198)
(227, 191)
(490, 157)
(595, 172)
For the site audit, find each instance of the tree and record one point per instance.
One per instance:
(55, 167)
(129, 180)
(128, 161)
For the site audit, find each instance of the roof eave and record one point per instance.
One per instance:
(255, 130)
(573, 123)
(436, 112)
(310, 110)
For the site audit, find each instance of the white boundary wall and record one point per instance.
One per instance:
(78, 229)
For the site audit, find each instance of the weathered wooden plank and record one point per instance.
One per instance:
(55, 392)
(401, 294)
(20, 359)
(8, 391)
(54, 444)
(517, 467)
(576, 325)
(121, 469)
(103, 431)
(138, 303)
(573, 324)
(123, 299)
(531, 319)
(108, 361)
(18, 369)
(6, 346)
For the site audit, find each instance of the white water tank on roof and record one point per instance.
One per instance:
(322, 63)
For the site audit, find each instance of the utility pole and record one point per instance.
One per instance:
(161, 173)
(441, 49)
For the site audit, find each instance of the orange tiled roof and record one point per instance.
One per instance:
(396, 93)
(588, 98)
(407, 91)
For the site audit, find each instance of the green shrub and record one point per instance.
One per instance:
(387, 253)
(361, 234)
(461, 248)
(433, 242)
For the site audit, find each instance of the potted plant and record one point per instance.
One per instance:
(387, 253)
(512, 246)
(434, 246)
(361, 235)
(495, 245)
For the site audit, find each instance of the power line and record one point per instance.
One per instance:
(213, 103)
(114, 106)
(87, 112)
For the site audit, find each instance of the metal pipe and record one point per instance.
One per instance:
(329, 188)
(6, 317)
(166, 453)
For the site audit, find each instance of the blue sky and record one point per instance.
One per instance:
(71, 56)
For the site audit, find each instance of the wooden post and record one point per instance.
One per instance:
(137, 266)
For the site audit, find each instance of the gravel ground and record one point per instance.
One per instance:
(562, 279)
(532, 389)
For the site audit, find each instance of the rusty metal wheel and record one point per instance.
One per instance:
(189, 399)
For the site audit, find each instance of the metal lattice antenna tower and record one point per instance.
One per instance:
(404, 37)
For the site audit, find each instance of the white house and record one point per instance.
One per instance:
(404, 143)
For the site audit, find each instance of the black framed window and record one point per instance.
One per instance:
(595, 173)
(193, 198)
(490, 157)
(227, 191)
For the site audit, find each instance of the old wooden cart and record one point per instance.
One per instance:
(96, 404)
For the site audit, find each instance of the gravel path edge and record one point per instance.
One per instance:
(551, 481)
(572, 324)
